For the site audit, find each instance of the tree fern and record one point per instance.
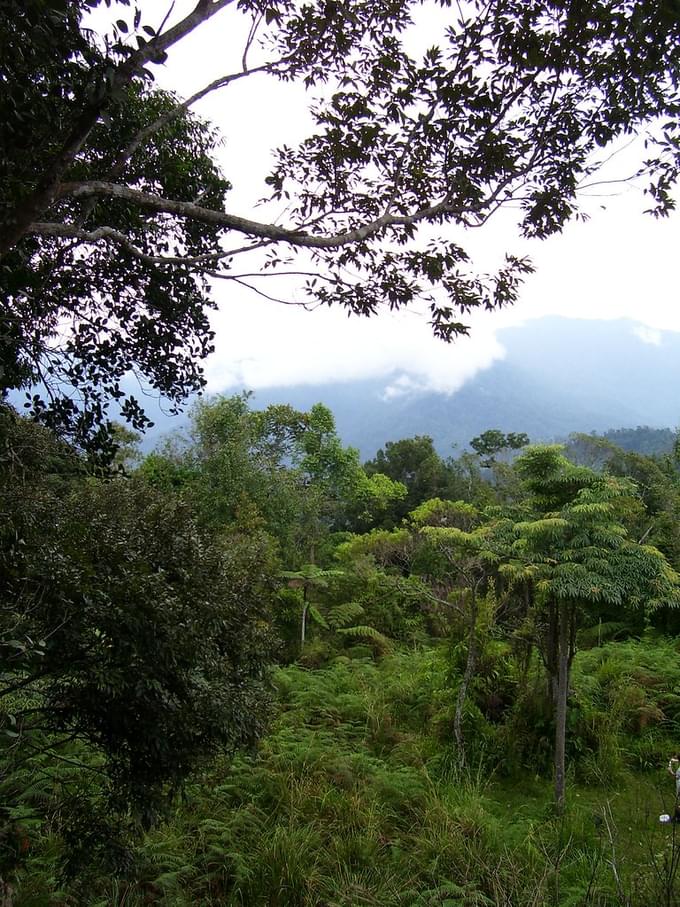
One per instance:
(345, 614)
(382, 643)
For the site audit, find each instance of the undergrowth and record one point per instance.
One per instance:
(355, 798)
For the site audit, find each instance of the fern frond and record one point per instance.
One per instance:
(382, 643)
(342, 615)
(317, 616)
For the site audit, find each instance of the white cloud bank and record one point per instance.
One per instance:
(261, 344)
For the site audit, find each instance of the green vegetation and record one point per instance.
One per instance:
(248, 669)
(233, 676)
(354, 798)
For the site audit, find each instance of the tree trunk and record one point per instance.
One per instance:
(563, 662)
(6, 894)
(470, 664)
(303, 625)
(305, 604)
(552, 650)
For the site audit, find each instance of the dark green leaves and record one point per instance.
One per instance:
(124, 624)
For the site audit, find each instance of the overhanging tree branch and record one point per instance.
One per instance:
(16, 224)
(116, 236)
(160, 122)
(235, 223)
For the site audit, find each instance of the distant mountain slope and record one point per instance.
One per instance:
(559, 376)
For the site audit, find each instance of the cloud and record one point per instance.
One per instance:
(261, 344)
(403, 386)
(648, 335)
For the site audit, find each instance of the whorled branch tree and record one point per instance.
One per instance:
(575, 552)
(114, 215)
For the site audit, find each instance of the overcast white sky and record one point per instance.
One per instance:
(620, 264)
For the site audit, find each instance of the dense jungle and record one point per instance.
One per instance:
(248, 667)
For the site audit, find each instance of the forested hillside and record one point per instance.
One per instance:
(252, 667)
(249, 669)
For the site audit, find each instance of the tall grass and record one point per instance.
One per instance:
(354, 798)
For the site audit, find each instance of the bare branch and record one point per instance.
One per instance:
(166, 17)
(621, 181)
(250, 247)
(295, 237)
(141, 137)
(249, 286)
(274, 273)
(203, 11)
(257, 20)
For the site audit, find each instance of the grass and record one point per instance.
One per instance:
(354, 799)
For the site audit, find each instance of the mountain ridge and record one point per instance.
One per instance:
(558, 376)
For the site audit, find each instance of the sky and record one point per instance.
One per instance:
(619, 264)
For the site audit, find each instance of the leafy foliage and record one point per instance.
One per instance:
(580, 553)
(112, 211)
(416, 464)
(124, 626)
(344, 614)
(572, 555)
(279, 466)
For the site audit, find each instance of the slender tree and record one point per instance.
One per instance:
(463, 560)
(578, 555)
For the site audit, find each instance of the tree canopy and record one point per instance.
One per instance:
(124, 625)
(493, 442)
(279, 467)
(114, 215)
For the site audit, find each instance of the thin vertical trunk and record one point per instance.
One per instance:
(563, 662)
(552, 651)
(470, 664)
(305, 603)
(303, 625)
